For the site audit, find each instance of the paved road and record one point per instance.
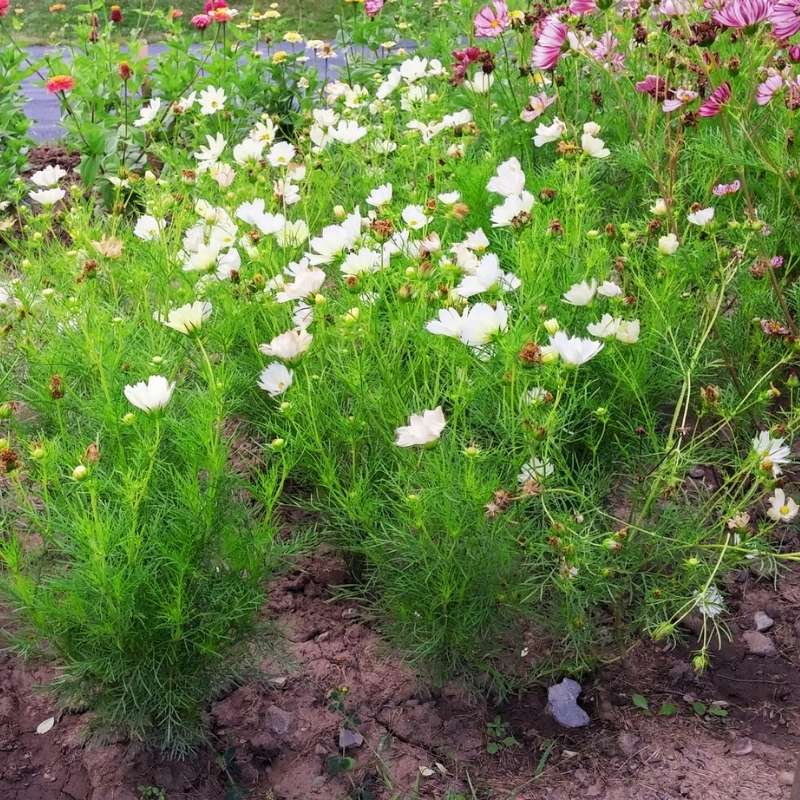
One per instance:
(44, 110)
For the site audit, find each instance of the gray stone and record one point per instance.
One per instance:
(348, 738)
(758, 644)
(763, 621)
(278, 720)
(561, 703)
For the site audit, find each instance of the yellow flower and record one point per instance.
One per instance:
(388, 45)
(293, 37)
(279, 56)
(272, 14)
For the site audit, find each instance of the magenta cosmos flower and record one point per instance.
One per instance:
(785, 19)
(716, 101)
(766, 90)
(581, 7)
(743, 13)
(654, 85)
(548, 47)
(492, 20)
(721, 189)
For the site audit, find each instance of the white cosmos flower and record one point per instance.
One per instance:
(286, 192)
(668, 244)
(148, 227)
(422, 429)
(148, 112)
(701, 217)
(150, 396)
(281, 154)
(307, 281)
(275, 379)
(228, 263)
(609, 289)
(606, 328)
(535, 469)
(536, 395)
(448, 198)
(486, 276)
(771, 453)
(594, 147)
(781, 508)
(573, 350)
(380, 196)
(511, 208)
(248, 151)
(223, 174)
(212, 100)
(333, 239)
(303, 315)
(592, 128)
(292, 234)
(288, 346)
(210, 154)
(347, 132)
(476, 240)
(581, 294)
(659, 207)
(481, 82)
(49, 176)
(448, 323)
(481, 323)
(709, 602)
(628, 331)
(188, 318)
(549, 133)
(47, 197)
(414, 217)
(509, 179)
(361, 261)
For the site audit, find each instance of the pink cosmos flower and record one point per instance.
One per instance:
(373, 8)
(201, 21)
(548, 47)
(537, 104)
(785, 18)
(716, 101)
(653, 85)
(721, 189)
(605, 51)
(492, 20)
(766, 90)
(794, 53)
(680, 97)
(743, 13)
(582, 7)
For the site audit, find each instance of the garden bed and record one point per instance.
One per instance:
(277, 731)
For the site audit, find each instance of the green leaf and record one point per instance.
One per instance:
(718, 711)
(668, 710)
(699, 708)
(336, 764)
(492, 748)
(640, 701)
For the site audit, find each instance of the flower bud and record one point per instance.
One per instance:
(128, 418)
(80, 472)
(552, 326)
(662, 631)
(277, 444)
(700, 662)
(339, 212)
(5, 410)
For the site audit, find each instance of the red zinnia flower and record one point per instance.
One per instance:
(212, 5)
(715, 103)
(4, 5)
(201, 21)
(116, 14)
(60, 83)
(175, 13)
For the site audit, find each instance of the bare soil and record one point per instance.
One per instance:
(277, 736)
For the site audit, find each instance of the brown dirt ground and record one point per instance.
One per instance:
(278, 730)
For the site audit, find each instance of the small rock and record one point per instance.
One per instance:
(46, 726)
(348, 738)
(323, 637)
(278, 720)
(742, 746)
(786, 778)
(629, 743)
(763, 621)
(758, 644)
(561, 703)
(278, 683)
